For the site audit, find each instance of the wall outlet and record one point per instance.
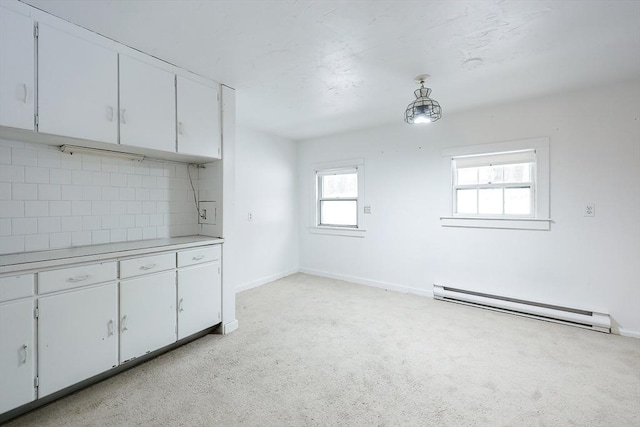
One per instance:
(589, 209)
(208, 212)
(367, 209)
(250, 216)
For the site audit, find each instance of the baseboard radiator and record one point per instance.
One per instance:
(585, 319)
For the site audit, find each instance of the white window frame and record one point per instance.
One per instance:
(326, 168)
(539, 220)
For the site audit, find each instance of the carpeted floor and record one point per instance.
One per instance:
(314, 351)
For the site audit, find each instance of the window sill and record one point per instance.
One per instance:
(338, 231)
(506, 223)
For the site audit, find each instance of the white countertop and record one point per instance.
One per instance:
(43, 259)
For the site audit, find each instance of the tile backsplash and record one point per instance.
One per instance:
(53, 200)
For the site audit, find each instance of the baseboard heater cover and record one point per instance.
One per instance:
(582, 318)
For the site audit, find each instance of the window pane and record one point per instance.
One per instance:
(520, 172)
(489, 174)
(517, 201)
(467, 201)
(341, 212)
(490, 200)
(467, 176)
(342, 185)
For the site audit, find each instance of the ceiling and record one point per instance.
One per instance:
(304, 69)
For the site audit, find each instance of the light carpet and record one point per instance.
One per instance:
(313, 351)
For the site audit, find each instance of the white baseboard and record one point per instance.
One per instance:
(264, 280)
(227, 328)
(368, 282)
(628, 333)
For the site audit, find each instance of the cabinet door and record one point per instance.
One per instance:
(147, 314)
(147, 106)
(77, 336)
(17, 70)
(17, 361)
(199, 297)
(198, 119)
(77, 87)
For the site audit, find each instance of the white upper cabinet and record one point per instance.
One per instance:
(77, 87)
(147, 106)
(17, 70)
(198, 119)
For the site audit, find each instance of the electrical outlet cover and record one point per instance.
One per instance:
(208, 212)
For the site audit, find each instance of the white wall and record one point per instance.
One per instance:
(265, 185)
(581, 262)
(52, 200)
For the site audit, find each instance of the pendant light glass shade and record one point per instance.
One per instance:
(423, 109)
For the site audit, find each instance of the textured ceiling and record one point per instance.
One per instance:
(308, 68)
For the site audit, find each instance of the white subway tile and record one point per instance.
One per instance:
(118, 235)
(20, 191)
(181, 171)
(134, 181)
(126, 166)
(142, 194)
(37, 242)
(80, 177)
(36, 208)
(134, 234)
(149, 233)
(5, 227)
(127, 221)
(11, 173)
(156, 169)
(142, 220)
(99, 237)
(109, 165)
(60, 208)
(149, 207)
(59, 240)
(149, 181)
(127, 194)
(12, 244)
(80, 238)
(91, 163)
(5, 191)
(170, 170)
(91, 223)
(80, 208)
(91, 192)
(36, 175)
(134, 207)
(24, 157)
(157, 194)
(118, 180)
(49, 192)
(163, 182)
(141, 168)
(11, 209)
(70, 161)
(110, 221)
(71, 192)
(162, 232)
(71, 223)
(60, 176)
(49, 224)
(162, 207)
(5, 155)
(155, 220)
(118, 208)
(24, 226)
(101, 178)
(100, 207)
(110, 193)
(49, 158)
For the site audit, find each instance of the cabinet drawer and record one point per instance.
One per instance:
(14, 287)
(199, 255)
(146, 265)
(73, 277)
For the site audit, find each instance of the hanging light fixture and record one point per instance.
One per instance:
(423, 109)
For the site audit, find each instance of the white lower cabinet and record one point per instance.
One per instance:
(199, 298)
(17, 354)
(147, 314)
(77, 336)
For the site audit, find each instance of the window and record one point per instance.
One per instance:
(338, 194)
(500, 185)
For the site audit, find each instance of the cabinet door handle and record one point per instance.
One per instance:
(180, 128)
(124, 323)
(180, 309)
(24, 354)
(25, 98)
(198, 257)
(110, 113)
(110, 328)
(123, 116)
(147, 267)
(78, 278)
